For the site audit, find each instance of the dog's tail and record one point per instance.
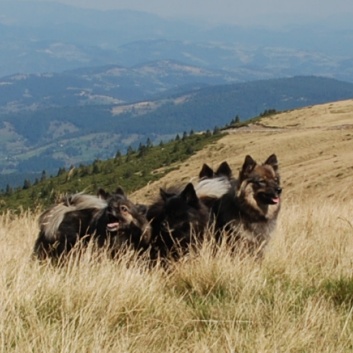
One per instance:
(50, 220)
(213, 188)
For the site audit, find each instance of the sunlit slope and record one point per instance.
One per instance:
(314, 146)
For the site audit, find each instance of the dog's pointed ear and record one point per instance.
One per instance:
(119, 191)
(248, 166)
(224, 169)
(141, 209)
(102, 194)
(272, 161)
(189, 195)
(164, 195)
(206, 172)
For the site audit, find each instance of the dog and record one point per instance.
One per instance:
(110, 220)
(178, 220)
(247, 214)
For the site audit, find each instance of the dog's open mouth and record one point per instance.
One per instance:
(275, 200)
(269, 198)
(113, 226)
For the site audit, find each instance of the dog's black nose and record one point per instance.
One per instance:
(279, 190)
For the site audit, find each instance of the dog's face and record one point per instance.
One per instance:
(177, 208)
(121, 214)
(260, 181)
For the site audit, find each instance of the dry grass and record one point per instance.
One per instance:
(298, 299)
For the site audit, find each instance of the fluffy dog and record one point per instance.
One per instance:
(110, 220)
(178, 220)
(249, 211)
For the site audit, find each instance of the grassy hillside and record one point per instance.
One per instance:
(298, 299)
(131, 171)
(314, 146)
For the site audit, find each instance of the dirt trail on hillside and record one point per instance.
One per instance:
(314, 146)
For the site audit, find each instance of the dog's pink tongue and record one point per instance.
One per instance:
(275, 199)
(114, 225)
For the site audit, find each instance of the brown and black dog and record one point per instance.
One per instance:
(248, 213)
(107, 219)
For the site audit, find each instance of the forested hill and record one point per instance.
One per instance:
(48, 139)
(313, 145)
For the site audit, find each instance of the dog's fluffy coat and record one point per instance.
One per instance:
(178, 220)
(248, 213)
(242, 212)
(110, 220)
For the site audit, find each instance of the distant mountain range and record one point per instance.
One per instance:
(41, 37)
(104, 85)
(46, 135)
(78, 85)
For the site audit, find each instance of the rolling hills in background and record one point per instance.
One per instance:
(313, 145)
(36, 137)
(77, 85)
(104, 85)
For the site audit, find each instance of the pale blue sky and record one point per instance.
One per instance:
(228, 11)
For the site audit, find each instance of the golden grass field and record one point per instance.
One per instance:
(299, 298)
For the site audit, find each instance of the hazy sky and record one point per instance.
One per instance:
(229, 11)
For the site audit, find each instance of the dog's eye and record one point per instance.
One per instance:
(124, 209)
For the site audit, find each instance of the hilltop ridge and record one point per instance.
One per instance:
(313, 144)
